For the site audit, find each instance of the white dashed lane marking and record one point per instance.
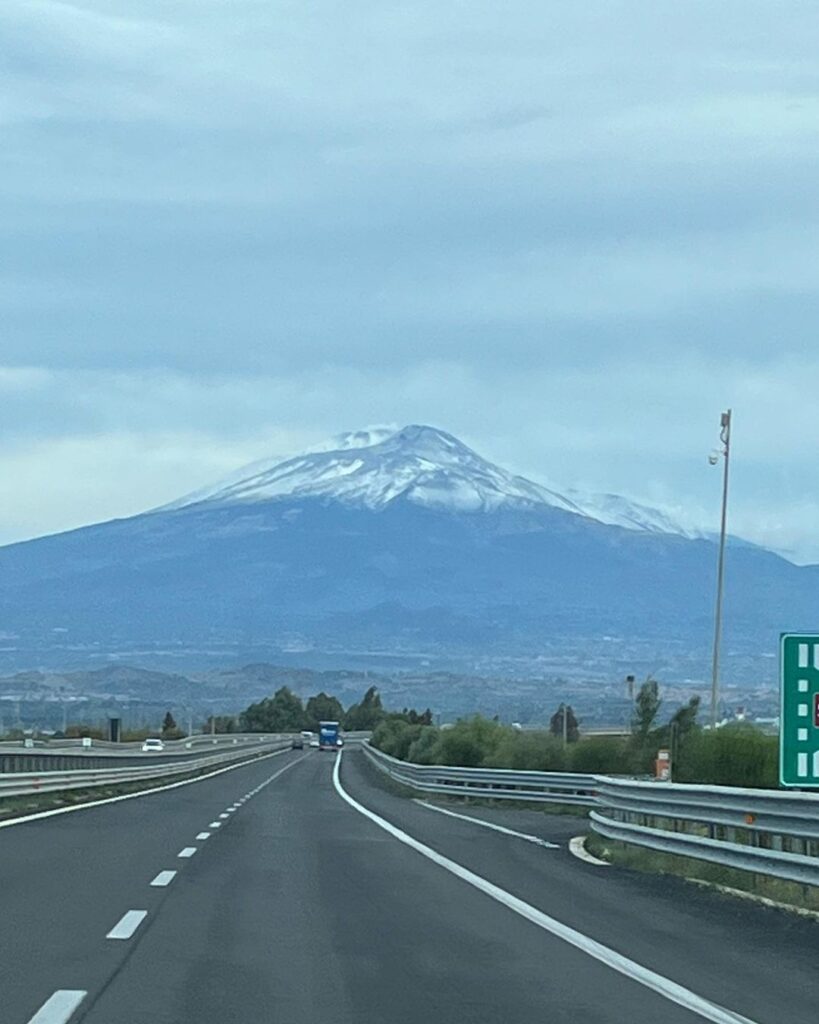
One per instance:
(127, 924)
(163, 878)
(59, 1007)
(23, 818)
(62, 1004)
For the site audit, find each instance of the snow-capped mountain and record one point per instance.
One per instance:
(390, 541)
(424, 465)
(371, 469)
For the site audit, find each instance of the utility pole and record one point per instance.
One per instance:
(673, 744)
(725, 453)
(565, 726)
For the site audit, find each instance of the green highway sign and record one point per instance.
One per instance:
(799, 710)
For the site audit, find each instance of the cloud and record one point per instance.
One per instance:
(571, 233)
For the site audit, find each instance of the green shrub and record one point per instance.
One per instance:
(601, 755)
(527, 751)
(424, 748)
(395, 736)
(94, 731)
(136, 735)
(470, 743)
(736, 755)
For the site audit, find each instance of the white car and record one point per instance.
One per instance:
(152, 745)
(314, 742)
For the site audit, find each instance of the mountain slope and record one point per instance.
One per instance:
(412, 544)
(422, 464)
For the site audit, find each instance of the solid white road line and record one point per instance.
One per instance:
(127, 924)
(203, 835)
(189, 851)
(488, 824)
(58, 1008)
(133, 796)
(611, 958)
(577, 846)
(163, 878)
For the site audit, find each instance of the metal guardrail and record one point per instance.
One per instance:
(494, 783)
(64, 755)
(76, 743)
(762, 831)
(13, 784)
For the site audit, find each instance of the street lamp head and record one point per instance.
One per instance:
(713, 458)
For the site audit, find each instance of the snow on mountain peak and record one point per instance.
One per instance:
(375, 467)
(422, 464)
(614, 510)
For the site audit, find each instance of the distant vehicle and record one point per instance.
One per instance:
(306, 735)
(152, 745)
(314, 742)
(297, 743)
(328, 736)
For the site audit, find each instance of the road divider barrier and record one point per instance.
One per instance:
(16, 784)
(65, 754)
(492, 783)
(768, 832)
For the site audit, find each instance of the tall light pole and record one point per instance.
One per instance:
(725, 453)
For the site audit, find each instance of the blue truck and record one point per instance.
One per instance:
(328, 736)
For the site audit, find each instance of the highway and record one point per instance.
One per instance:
(273, 892)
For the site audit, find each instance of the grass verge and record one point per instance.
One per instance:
(778, 890)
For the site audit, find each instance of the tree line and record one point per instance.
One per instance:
(738, 754)
(285, 712)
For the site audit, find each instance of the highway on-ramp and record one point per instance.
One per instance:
(276, 892)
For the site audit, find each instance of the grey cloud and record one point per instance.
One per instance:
(571, 233)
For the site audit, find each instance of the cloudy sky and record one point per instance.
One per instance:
(569, 233)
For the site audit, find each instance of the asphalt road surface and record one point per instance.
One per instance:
(269, 893)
